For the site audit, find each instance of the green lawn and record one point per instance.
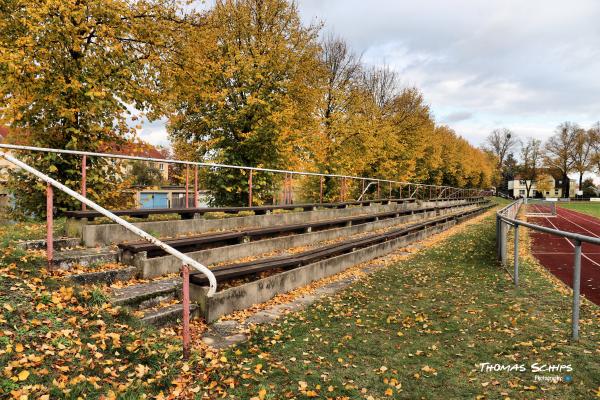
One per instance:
(421, 329)
(591, 208)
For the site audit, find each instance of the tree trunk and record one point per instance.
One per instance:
(580, 180)
(565, 185)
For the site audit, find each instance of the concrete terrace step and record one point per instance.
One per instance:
(104, 277)
(100, 255)
(59, 244)
(169, 314)
(146, 295)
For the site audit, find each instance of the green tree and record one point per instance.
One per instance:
(70, 72)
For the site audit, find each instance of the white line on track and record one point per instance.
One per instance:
(585, 217)
(572, 245)
(576, 224)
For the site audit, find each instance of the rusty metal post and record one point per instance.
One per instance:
(187, 186)
(321, 191)
(291, 191)
(49, 225)
(185, 272)
(196, 199)
(250, 189)
(83, 179)
(363, 187)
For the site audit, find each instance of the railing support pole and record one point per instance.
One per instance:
(290, 191)
(378, 191)
(187, 186)
(516, 255)
(321, 190)
(503, 242)
(390, 195)
(49, 225)
(83, 179)
(196, 199)
(250, 189)
(576, 287)
(185, 272)
(363, 187)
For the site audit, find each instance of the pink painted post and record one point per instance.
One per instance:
(83, 179)
(187, 186)
(321, 191)
(49, 225)
(196, 186)
(250, 189)
(185, 272)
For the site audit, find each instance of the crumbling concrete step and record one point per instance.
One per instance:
(170, 314)
(59, 244)
(68, 258)
(146, 295)
(107, 276)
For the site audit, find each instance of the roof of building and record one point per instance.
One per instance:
(140, 149)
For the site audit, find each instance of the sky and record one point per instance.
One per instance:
(525, 65)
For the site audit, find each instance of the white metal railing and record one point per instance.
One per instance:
(412, 187)
(507, 217)
(185, 260)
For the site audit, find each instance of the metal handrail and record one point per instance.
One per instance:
(557, 232)
(365, 191)
(184, 259)
(215, 165)
(503, 219)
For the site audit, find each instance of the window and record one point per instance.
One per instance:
(522, 192)
(556, 191)
(161, 166)
(522, 182)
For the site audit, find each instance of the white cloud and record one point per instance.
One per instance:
(527, 65)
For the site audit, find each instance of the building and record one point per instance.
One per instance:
(548, 185)
(140, 149)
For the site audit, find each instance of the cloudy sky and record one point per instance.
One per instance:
(525, 65)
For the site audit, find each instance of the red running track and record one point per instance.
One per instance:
(557, 254)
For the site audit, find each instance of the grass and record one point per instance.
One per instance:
(29, 230)
(61, 341)
(590, 208)
(422, 329)
(417, 329)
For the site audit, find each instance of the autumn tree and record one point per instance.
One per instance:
(594, 135)
(531, 158)
(500, 143)
(247, 93)
(582, 153)
(559, 148)
(338, 112)
(70, 72)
